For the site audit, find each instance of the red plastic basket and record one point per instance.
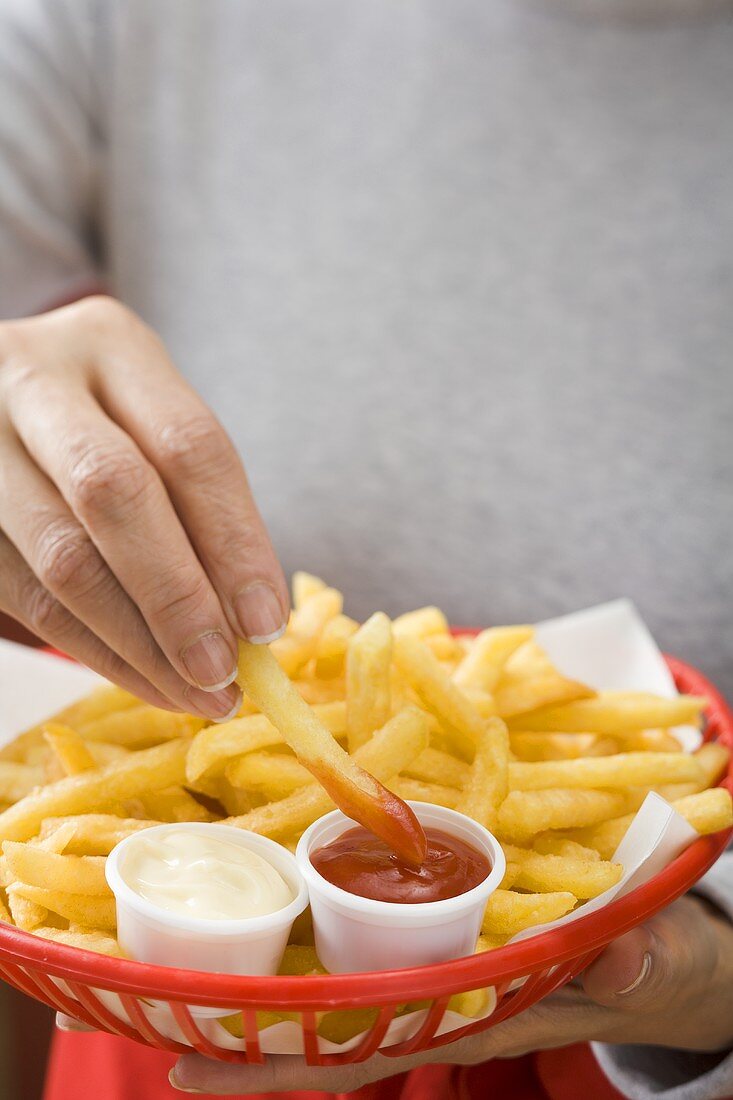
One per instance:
(86, 985)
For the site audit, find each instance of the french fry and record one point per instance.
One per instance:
(174, 804)
(445, 647)
(89, 940)
(482, 665)
(368, 693)
(516, 699)
(531, 747)
(17, 780)
(614, 712)
(296, 647)
(630, 769)
(98, 703)
(69, 748)
(92, 834)
(305, 585)
(438, 692)
(4, 912)
(420, 623)
(73, 874)
(707, 812)
(523, 814)
(508, 913)
(321, 692)
(586, 878)
(332, 646)
(141, 726)
(487, 783)
(139, 773)
(417, 791)
(25, 914)
(271, 774)
(472, 1003)
(400, 740)
(213, 748)
(488, 942)
(353, 789)
(434, 766)
(96, 912)
(550, 844)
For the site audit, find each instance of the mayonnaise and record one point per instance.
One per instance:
(204, 876)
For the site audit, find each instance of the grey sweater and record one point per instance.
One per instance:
(456, 276)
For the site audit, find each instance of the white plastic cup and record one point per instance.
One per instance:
(250, 945)
(355, 934)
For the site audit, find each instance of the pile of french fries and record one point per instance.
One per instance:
(485, 725)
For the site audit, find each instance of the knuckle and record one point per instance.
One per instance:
(101, 311)
(68, 562)
(194, 445)
(179, 595)
(107, 479)
(44, 614)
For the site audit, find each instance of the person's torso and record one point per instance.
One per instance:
(458, 279)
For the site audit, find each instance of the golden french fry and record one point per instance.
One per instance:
(438, 692)
(69, 873)
(420, 623)
(174, 804)
(515, 699)
(299, 643)
(96, 912)
(614, 712)
(271, 774)
(17, 780)
(98, 703)
(213, 748)
(89, 940)
(300, 959)
(353, 789)
(488, 942)
(648, 741)
(508, 913)
(435, 766)
(138, 773)
(91, 834)
(630, 769)
(69, 748)
(4, 912)
(532, 747)
(445, 647)
(487, 783)
(482, 665)
(321, 692)
(25, 914)
(707, 812)
(141, 726)
(586, 878)
(551, 844)
(305, 585)
(473, 1003)
(384, 755)
(332, 646)
(368, 693)
(523, 814)
(417, 791)
(713, 759)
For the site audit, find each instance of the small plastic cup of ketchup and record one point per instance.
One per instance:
(371, 911)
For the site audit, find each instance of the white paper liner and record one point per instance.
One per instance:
(607, 647)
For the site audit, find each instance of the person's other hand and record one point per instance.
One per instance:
(128, 533)
(668, 982)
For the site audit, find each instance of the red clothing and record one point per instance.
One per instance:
(107, 1068)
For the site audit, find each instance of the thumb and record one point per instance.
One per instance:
(655, 964)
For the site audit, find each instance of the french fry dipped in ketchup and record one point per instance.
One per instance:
(357, 793)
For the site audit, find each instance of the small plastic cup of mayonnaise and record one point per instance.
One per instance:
(355, 933)
(205, 896)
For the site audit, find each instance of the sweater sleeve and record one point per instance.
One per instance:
(49, 153)
(644, 1072)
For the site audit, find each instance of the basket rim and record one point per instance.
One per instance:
(311, 992)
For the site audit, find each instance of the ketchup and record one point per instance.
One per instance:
(362, 864)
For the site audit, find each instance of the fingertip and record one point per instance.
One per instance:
(261, 615)
(622, 968)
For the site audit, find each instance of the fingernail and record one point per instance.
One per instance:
(646, 965)
(210, 661)
(181, 1088)
(260, 614)
(220, 706)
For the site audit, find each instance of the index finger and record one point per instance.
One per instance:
(208, 485)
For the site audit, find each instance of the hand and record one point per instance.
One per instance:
(128, 534)
(668, 983)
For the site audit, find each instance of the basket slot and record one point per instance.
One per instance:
(421, 1039)
(204, 1045)
(252, 1037)
(101, 1016)
(369, 1045)
(138, 1017)
(311, 1048)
